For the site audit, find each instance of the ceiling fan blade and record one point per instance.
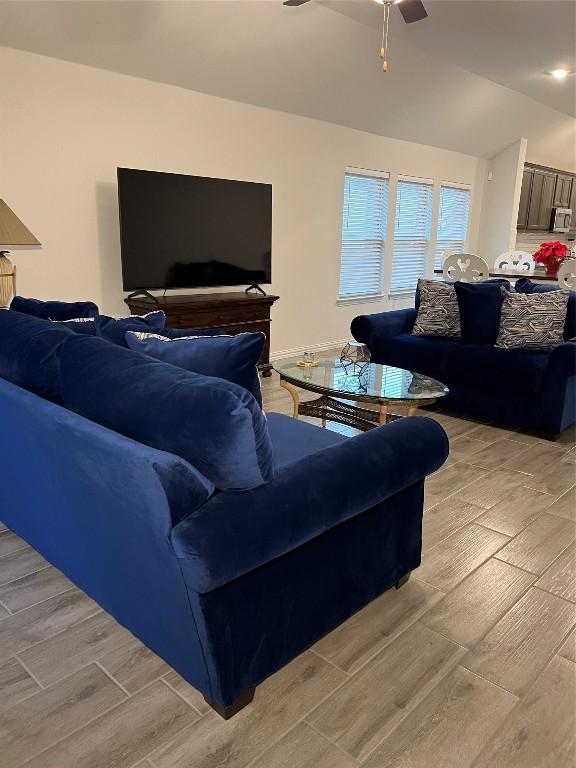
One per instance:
(411, 10)
(294, 3)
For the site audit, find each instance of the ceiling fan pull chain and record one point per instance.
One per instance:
(384, 48)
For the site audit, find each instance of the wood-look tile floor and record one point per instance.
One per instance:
(472, 664)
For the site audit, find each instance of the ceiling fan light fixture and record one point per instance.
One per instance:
(560, 73)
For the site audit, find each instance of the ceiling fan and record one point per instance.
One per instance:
(411, 10)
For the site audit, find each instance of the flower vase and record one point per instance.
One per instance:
(552, 269)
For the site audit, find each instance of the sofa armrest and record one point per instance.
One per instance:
(563, 359)
(238, 531)
(382, 325)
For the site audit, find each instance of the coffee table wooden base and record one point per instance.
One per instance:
(328, 408)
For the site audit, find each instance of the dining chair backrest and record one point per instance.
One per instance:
(567, 274)
(515, 261)
(466, 267)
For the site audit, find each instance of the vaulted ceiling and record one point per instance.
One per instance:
(471, 77)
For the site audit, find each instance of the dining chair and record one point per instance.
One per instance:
(515, 261)
(566, 275)
(466, 267)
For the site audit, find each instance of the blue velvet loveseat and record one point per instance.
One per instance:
(535, 390)
(226, 584)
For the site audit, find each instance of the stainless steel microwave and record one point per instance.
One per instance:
(560, 221)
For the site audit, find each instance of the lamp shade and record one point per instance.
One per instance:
(13, 233)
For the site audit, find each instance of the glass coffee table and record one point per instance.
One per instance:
(343, 386)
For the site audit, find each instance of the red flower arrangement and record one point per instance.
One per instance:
(551, 255)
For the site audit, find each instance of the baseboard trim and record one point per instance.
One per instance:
(325, 345)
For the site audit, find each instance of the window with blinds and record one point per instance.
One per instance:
(364, 221)
(412, 227)
(452, 220)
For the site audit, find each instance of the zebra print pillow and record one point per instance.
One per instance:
(532, 320)
(438, 313)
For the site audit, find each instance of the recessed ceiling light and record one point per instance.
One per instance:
(560, 74)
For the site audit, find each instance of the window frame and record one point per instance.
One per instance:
(370, 296)
(431, 184)
(465, 243)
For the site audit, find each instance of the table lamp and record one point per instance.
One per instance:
(13, 234)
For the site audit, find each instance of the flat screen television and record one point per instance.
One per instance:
(180, 231)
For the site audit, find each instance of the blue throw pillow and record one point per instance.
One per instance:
(54, 310)
(28, 352)
(86, 325)
(215, 425)
(525, 285)
(233, 358)
(114, 329)
(480, 305)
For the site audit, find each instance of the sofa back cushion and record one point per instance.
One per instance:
(480, 305)
(233, 358)
(215, 425)
(54, 310)
(28, 352)
(115, 329)
(525, 285)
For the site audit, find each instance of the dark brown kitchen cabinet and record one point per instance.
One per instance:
(527, 177)
(543, 189)
(572, 205)
(541, 200)
(562, 191)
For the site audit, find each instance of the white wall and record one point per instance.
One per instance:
(64, 129)
(501, 201)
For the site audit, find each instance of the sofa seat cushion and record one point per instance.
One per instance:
(215, 425)
(54, 310)
(28, 352)
(483, 367)
(294, 439)
(421, 354)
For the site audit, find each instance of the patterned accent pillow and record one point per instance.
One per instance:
(532, 320)
(438, 313)
(86, 325)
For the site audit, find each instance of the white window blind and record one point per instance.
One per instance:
(364, 221)
(411, 232)
(452, 221)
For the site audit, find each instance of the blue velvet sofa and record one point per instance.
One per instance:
(534, 390)
(226, 585)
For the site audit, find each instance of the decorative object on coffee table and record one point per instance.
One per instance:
(342, 390)
(551, 254)
(308, 361)
(13, 234)
(355, 355)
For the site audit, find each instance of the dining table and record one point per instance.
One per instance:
(512, 275)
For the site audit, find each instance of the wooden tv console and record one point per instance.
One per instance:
(236, 312)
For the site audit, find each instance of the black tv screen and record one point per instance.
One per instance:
(181, 231)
